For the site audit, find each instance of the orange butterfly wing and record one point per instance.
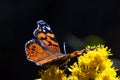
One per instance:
(33, 51)
(45, 34)
(44, 48)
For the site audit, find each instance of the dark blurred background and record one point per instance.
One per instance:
(73, 21)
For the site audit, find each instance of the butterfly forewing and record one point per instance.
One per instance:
(45, 34)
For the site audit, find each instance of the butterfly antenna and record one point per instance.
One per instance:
(64, 47)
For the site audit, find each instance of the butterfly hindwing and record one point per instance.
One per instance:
(38, 52)
(33, 50)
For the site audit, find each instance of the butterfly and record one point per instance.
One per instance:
(44, 48)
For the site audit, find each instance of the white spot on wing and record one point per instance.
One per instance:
(48, 27)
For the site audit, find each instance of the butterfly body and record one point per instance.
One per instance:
(44, 48)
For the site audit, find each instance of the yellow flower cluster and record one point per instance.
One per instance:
(93, 65)
(52, 73)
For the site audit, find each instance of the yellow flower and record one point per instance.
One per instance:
(38, 79)
(107, 74)
(52, 73)
(72, 78)
(94, 65)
